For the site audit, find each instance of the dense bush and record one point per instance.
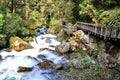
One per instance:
(103, 12)
(11, 24)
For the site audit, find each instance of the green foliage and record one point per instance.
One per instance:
(35, 19)
(14, 25)
(2, 36)
(3, 40)
(86, 8)
(49, 13)
(1, 22)
(110, 17)
(11, 24)
(55, 25)
(104, 12)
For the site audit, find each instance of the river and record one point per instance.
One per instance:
(43, 45)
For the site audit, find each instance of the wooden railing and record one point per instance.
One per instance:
(107, 32)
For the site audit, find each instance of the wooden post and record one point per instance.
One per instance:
(105, 33)
(95, 30)
(101, 32)
(110, 31)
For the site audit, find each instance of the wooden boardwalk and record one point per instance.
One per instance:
(105, 32)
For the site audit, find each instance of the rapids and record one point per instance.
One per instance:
(43, 45)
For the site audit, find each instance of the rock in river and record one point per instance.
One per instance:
(62, 48)
(24, 69)
(65, 47)
(18, 44)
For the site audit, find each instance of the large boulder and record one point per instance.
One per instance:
(62, 48)
(81, 36)
(24, 69)
(18, 44)
(47, 64)
(84, 41)
(65, 47)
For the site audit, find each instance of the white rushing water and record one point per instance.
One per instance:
(10, 61)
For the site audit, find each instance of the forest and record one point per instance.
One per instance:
(22, 17)
(55, 55)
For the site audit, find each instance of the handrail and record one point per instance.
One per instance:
(101, 31)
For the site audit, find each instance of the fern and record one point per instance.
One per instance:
(110, 17)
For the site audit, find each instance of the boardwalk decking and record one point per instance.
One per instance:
(107, 32)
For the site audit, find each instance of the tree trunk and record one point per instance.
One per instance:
(26, 17)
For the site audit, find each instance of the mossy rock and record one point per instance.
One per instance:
(18, 44)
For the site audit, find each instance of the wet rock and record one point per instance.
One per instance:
(42, 38)
(41, 56)
(18, 44)
(48, 40)
(47, 64)
(58, 67)
(32, 58)
(52, 46)
(42, 49)
(8, 50)
(24, 69)
(9, 56)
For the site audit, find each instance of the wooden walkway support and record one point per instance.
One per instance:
(107, 32)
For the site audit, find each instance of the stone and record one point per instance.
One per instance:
(111, 59)
(62, 48)
(66, 46)
(47, 64)
(8, 50)
(18, 44)
(60, 35)
(73, 44)
(68, 31)
(48, 40)
(57, 67)
(41, 57)
(24, 69)
(79, 34)
(42, 49)
(84, 41)
(53, 46)
(32, 58)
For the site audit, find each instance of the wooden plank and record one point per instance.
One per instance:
(117, 32)
(98, 30)
(113, 32)
(107, 31)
